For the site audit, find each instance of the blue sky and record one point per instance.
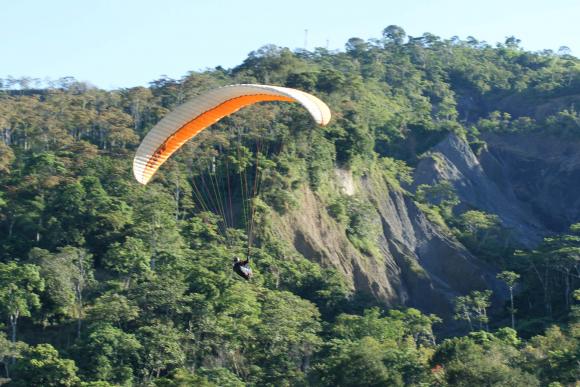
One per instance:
(126, 43)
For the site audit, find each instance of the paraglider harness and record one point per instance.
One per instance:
(242, 268)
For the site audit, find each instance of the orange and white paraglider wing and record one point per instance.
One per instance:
(187, 120)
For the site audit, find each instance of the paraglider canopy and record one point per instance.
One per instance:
(189, 119)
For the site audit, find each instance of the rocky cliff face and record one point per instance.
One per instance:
(531, 183)
(542, 172)
(481, 183)
(419, 265)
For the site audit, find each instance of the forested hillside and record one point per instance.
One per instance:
(429, 235)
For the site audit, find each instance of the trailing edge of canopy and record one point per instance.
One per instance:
(192, 117)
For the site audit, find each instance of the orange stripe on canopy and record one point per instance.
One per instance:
(199, 123)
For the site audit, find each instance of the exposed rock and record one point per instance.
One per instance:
(345, 181)
(485, 189)
(418, 265)
(434, 267)
(543, 172)
(531, 182)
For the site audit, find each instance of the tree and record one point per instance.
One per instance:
(304, 81)
(114, 309)
(8, 352)
(553, 356)
(222, 328)
(42, 366)
(417, 325)
(146, 271)
(162, 349)
(131, 258)
(108, 216)
(394, 34)
(551, 270)
(160, 296)
(400, 340)
(183, 378)
(480, 302)
(441, 194)
(463, 310)
(66, 274)
(356, 47)
(359, 363)
(473, 307)
(6, 157)
(481, 359)
(287, 336)
(510, 279)
(221, 377)
(512, 42)
(483, 234)
(110, 354)
(155, 224)
(371, 324)
(20, 286)
(114, 128)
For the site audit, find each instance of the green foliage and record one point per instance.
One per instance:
(481, 359)
(361, 363)
(320, 158)
(221, 377)
(19, 288)
(42, 366)
(9, 352)
(473, 308)
(553, 356)
(547, 279)
(437, 201)
(114, 309)
(396, 171)
(362, 227)
(131, 258)
(370, 324)
(509, 277)
(484, 235)
(287, 337)
(215, 377)
(110, 355)
(6, 158)
(135, 283)
(161, 348)
(67, 274)
(285, 270)
(304, 81)
(376, 350)
(440, 195)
